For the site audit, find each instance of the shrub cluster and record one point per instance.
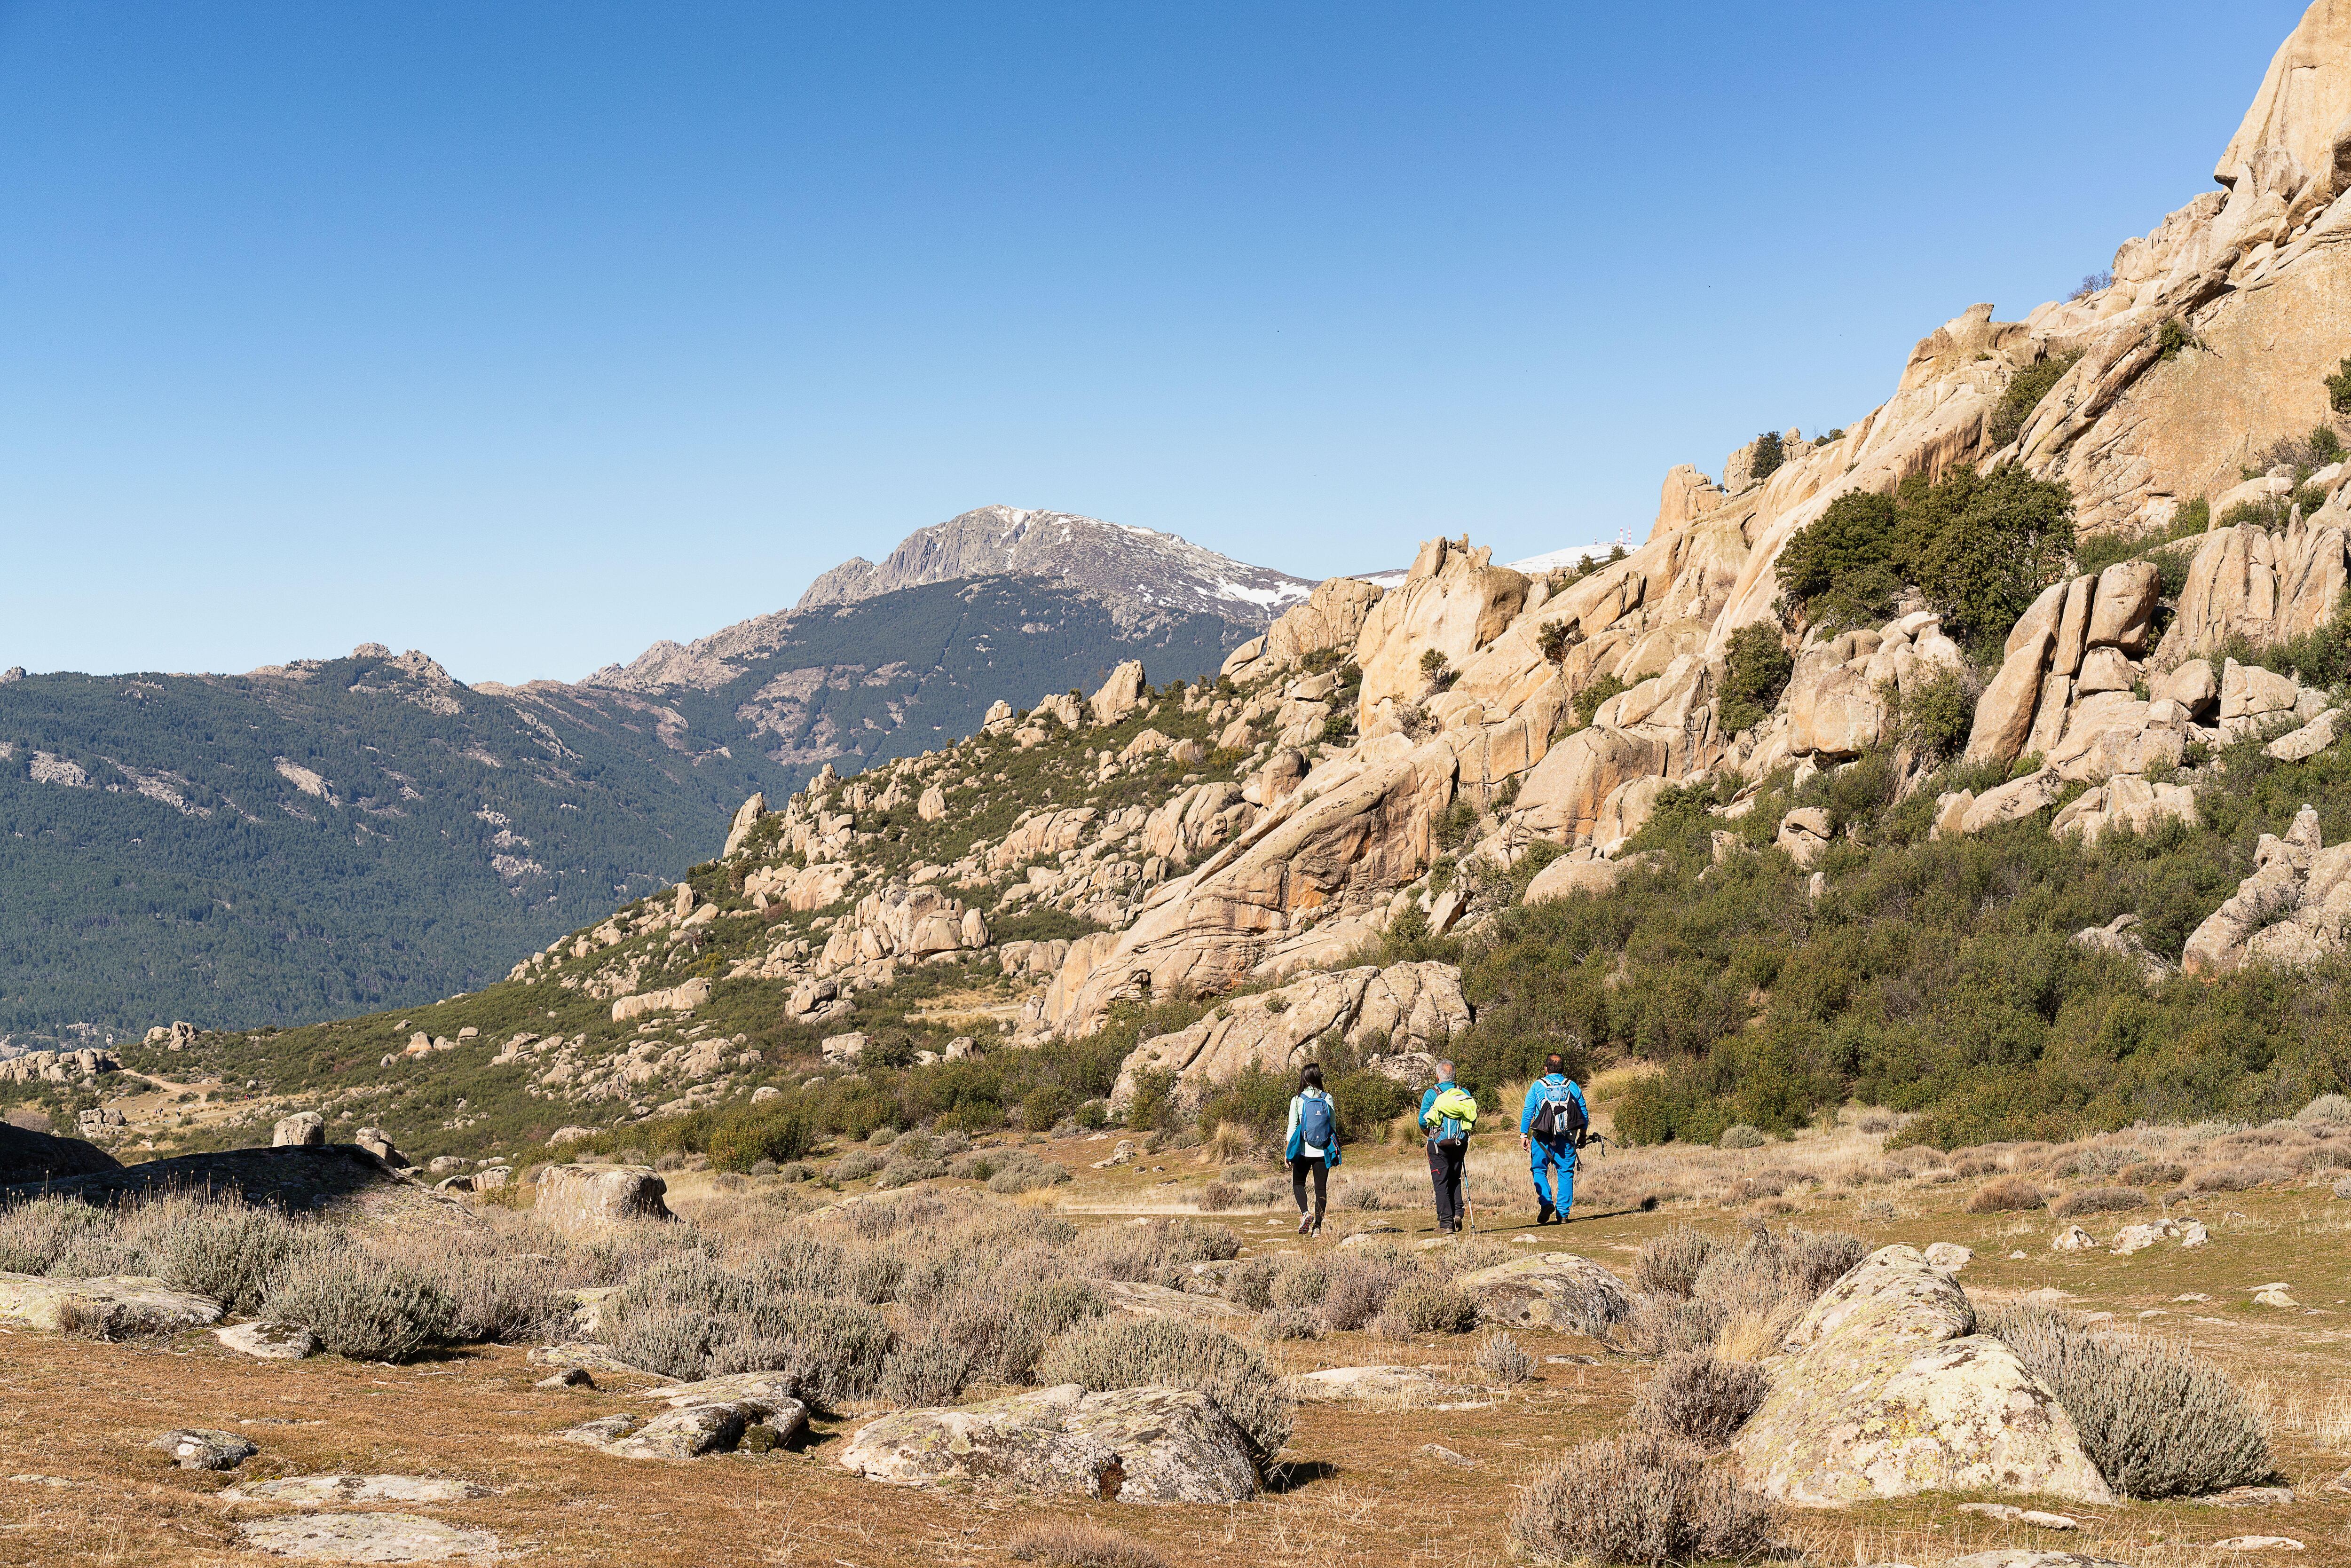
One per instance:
(1641, 1500)
(1700, 1399)
(1141, 1353)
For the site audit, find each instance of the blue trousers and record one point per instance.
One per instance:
(1545, 1157)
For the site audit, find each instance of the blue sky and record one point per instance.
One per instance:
(530, 333)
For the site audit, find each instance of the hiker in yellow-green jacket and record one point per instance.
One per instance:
(1447, 1117)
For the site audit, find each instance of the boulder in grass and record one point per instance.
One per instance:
(203, 1449)
(111, 1306)
(585, 1199)
(1886, 1390)
(714, 1416)
(1549, 1289)
(270, 1342)
(1133, 1444)
(369, 1538)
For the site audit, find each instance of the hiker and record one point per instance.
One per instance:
(1447, 1117)
(1550, 1129)
(1312, 1144)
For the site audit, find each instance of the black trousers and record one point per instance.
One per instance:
(1299, 1165)
(1444, 1174)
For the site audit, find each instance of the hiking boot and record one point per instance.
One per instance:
(1543, 1213)
(1305, 1224)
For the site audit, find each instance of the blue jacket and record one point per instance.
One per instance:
(1535, 1098)
(1429, 1098)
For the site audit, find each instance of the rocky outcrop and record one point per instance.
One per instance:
(1453, 602)
(2065, 681)
(2292, 910)
(2124, 801)
(1408, 1005)
(1298, 885)
(2120, 937)
(583, 1200)
(392, 1537)
(1131, 1445)
(746, 817)
(2260, 585)
(907, 924)
(683, 998)
(1662, 728)
(1119, 696)
(1552, 1290)
(714, 1416)
(1885, 1389)
(113, 1306)
(1332, 617)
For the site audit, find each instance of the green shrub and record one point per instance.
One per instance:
(360, 1304)
(1141, 1352)
(2174, 338)
(1936, 714)
(1639, 1499)
(1982, 547)
(2154, 1419)
(2023, 395)
(2338, 388)
(746, 1138)
(1841, 567)
(1587, 701)
(1758, 671)
(1770, 455)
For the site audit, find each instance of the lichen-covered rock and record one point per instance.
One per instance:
(203, 1449)
(712, 1416)
(270, 1342)
(1884, 1389)
(312, 1491)
(1130, 1445)
(1549, 1289)
(113, 1306)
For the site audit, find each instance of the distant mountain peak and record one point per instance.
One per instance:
(1138, 572)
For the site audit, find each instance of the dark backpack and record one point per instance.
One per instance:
(1316, 1125)
(1560, 1117)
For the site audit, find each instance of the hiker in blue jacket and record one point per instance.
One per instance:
(1312, 1145)
(1550, 1129)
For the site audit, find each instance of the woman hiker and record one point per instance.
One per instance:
(1312, 1145)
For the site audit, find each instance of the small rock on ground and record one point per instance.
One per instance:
(1440, 1451)
(2009, 1513)
(203, 1449)
(310, 1491)
(2247, 1496)
(2259, 1543)
(570, 1377)
(270, 1342)
(1404, 1384)
(368, 1538)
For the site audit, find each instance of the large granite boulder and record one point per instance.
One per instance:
(1885, 1389)
(1130, 1445)
(1550, 1290)
(715, 1415)
(27, 1155)
(583, 1199)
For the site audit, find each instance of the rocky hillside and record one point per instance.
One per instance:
(338, 834)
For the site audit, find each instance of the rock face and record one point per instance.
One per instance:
(581, 1201)
(304, 1129)
(114, 1306)
(312, 1491)
(1332, 617)
(1120, 696)
(746, 817)
(1884, 1389)
(1131, 1445)
(1549, 1289)
(908, 924)
(1413, 1005)
(2065, 678)
(1297, 884)
(2292, 910)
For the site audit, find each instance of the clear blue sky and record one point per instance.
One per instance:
(528, 333)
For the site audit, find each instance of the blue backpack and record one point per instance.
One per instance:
(1315, 1123)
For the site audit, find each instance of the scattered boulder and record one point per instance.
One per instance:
(2291, 912)
(304, 1129)
(1804, 835)
(683, 998)
(1886, 1390)
(2073, 1238)
(844, 1050)
(1131, 1445)
(1950, 1255)
(377, 1142)
(116, 1306)
(270, 1342)
(368, 1538)
(1137, 1299)
(204, 1449)
(1402, 1385)
(583, 1199)
(1119, 696)
(717, 1415)
(1549, 1289)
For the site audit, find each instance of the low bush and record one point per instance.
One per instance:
(2326, 1111)
(1641, 1500)
(930, 1369)
(1700, 1398)
(1434, 1307)
(1500, 1357)
(1289, 1322)
(2152, 1173)
(1020, 1171)
(225, 1249)
(1251, 1285)
(2156, 1420)
(1135, 1354)
(1669, 1262)
(1300, 1282)
(2006, 1195)
(358, 1303)
(1079, 1544)
(2099, 1200)
(857, 1164)
(1757, 672)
